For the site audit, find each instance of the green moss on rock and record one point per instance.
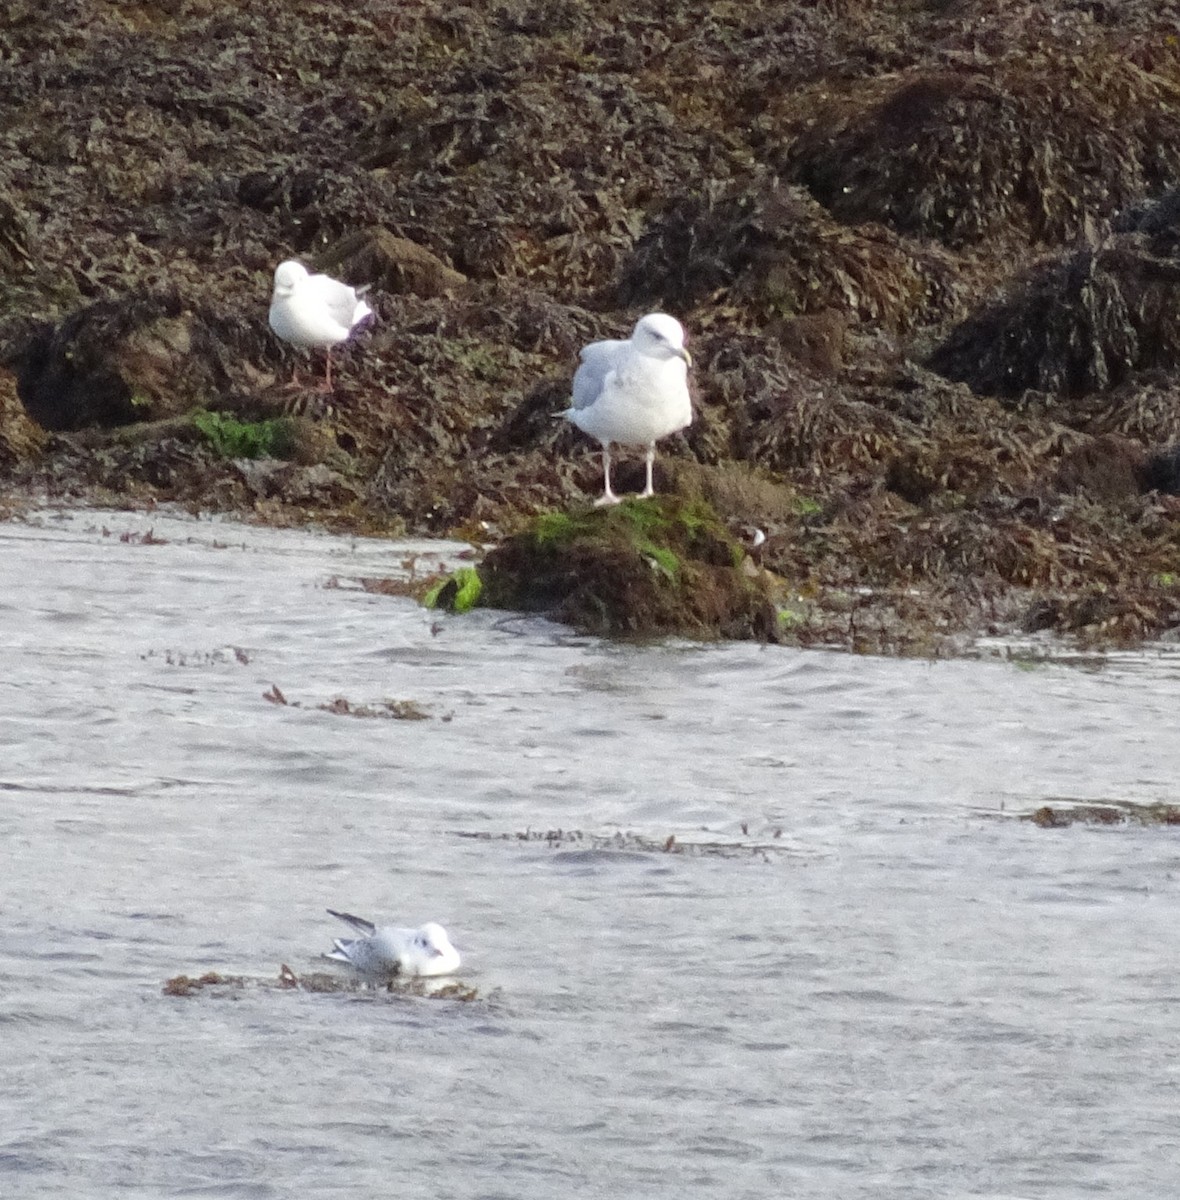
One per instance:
(643, 567)
(232, 438)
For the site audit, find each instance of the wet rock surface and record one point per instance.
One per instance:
(928, 256)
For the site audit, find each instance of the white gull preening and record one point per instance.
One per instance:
(381, 953)
(633, 392)
(314, 312)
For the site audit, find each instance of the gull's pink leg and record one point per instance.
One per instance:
(608, 496)
(651, 458)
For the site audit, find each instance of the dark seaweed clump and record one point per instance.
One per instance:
(928, 255)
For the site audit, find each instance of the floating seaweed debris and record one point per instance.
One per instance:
(201, 658)
(1064, 813)
(458, 592)
(638, 843)
(146, 538)
(389, 710)
(221, 987)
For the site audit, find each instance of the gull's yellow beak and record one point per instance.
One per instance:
(684, 354)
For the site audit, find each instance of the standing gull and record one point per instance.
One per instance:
(381, 953)
(314, 311)
(633, 392)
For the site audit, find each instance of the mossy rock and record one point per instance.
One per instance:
(642, 568)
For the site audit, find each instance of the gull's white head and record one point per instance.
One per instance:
(288, 276)
(661, 336)
(439, 957)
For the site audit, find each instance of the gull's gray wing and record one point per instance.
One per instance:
(341, 301)
(598, 360)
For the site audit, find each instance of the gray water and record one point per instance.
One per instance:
(907, 993)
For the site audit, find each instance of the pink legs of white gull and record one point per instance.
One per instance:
(608, 493)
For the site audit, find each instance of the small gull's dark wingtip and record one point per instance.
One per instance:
(358, 923)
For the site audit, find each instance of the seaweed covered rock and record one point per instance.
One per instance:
(146, 356)
(778, 254)
(643, 567)
(1161, 472)
(20, 439)
(1038, 150)
(390, 263)
(513, 183)
(1081, 323)
(1108, 469)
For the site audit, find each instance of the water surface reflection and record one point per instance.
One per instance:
(908, 994)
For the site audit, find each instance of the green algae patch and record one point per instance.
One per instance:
(231, 438)
(650, 567)
(458, 592)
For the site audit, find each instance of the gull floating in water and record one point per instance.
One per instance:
(314, 311)
(633, 392)
(381, 953)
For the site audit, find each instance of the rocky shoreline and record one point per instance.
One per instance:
(928, 255)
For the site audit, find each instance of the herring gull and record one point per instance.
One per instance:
(633, 392)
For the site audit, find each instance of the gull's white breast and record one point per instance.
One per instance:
(639, 400)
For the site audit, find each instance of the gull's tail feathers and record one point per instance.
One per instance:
(339, 951)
